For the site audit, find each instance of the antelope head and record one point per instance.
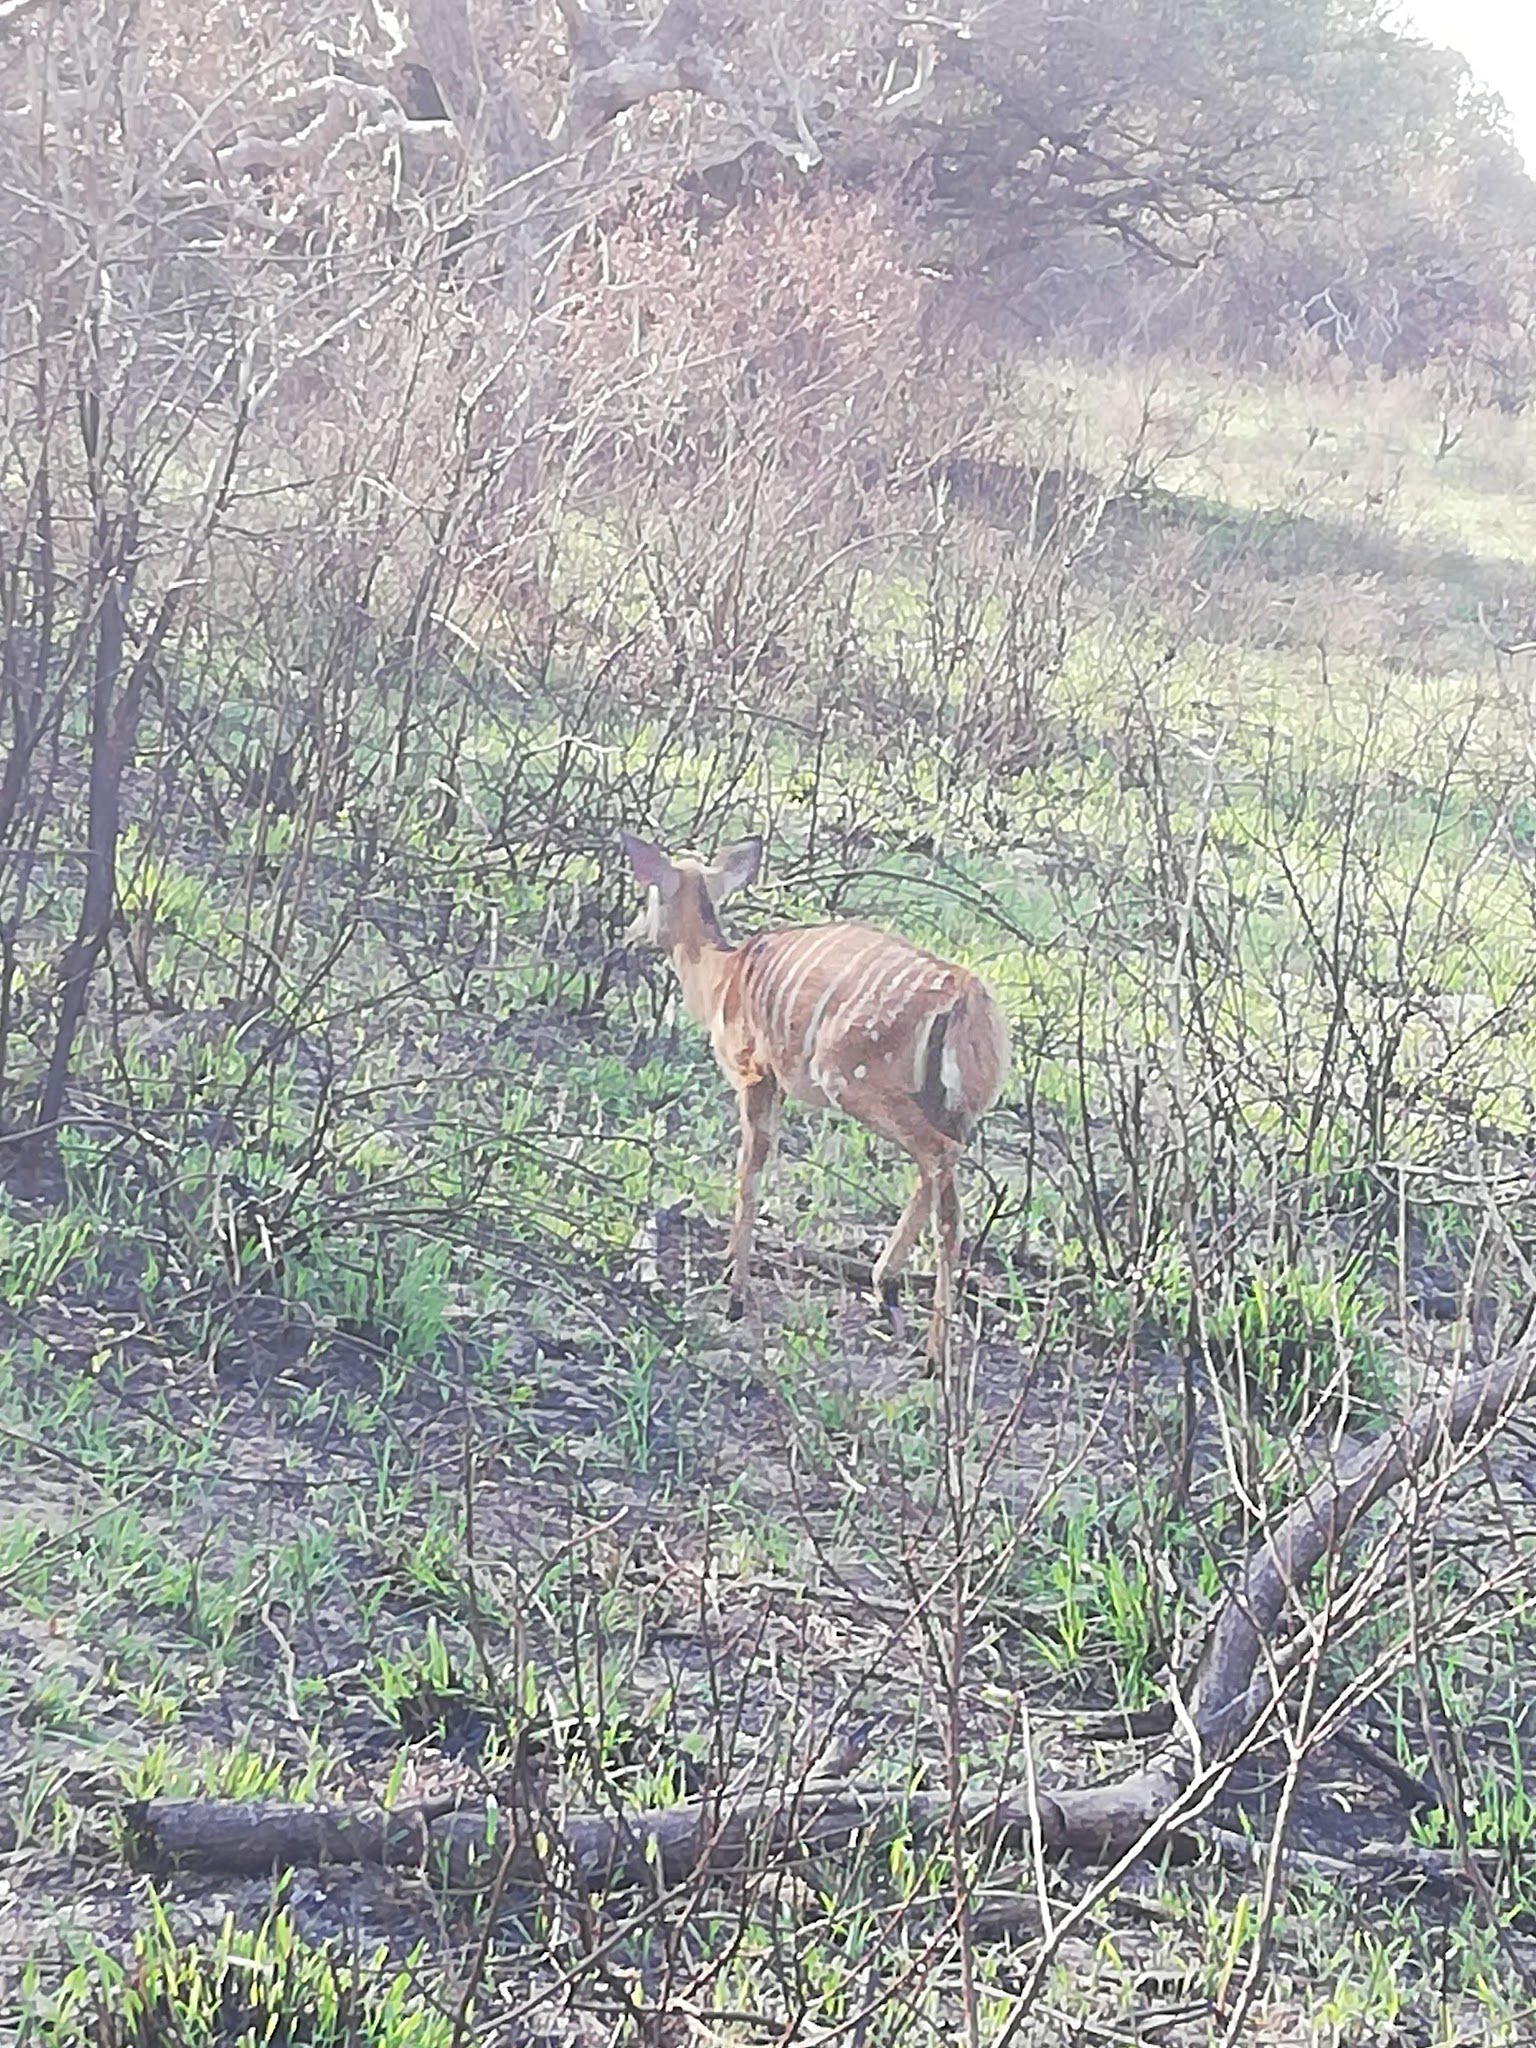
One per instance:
(684, 894)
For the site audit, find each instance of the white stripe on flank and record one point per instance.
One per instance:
(877, 970)
(778, 961)
(781, 1008)
(856, 958)
(793, 963)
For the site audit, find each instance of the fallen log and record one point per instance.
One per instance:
(1319, 1523)
(727, 1832)
(595, 1850)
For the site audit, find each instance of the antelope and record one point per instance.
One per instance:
(837, 1016)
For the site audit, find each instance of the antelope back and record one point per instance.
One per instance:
(843, 1014)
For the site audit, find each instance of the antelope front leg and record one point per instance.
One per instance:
(759, 1102)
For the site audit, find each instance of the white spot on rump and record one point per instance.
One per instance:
(949, 1075)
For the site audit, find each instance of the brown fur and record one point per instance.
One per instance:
(836, 1015)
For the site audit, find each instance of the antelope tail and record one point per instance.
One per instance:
(941, 1095)
(961, 1064)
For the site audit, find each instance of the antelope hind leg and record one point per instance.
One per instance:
(946, 1232)
(898, 1249)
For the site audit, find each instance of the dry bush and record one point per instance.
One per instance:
(796, 318)
(294, 477)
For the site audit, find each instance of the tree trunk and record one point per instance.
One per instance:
(112, 731)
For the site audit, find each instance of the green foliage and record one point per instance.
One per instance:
(265, 1987)
(1498, 1816)
(1300, 1341)
(36, 1252)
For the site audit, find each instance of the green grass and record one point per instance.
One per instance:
(349, 1453)
(264, 1985)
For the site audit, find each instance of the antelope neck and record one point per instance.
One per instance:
(701, 963)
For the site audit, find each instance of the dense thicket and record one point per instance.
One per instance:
(1234, 172)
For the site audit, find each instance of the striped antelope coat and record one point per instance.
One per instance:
(839, 1016)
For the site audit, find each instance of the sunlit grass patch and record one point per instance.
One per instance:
(263, 1983)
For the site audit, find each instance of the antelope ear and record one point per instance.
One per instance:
(733, 868)
(652, 868)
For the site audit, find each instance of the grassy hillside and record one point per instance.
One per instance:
(370, 1424)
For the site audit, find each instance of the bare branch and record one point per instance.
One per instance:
(906, 98)
(335, 105)
(481, 100)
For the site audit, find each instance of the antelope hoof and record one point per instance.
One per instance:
(736, 1306)
(888, 1295)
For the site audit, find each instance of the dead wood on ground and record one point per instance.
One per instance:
(734, 1831)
